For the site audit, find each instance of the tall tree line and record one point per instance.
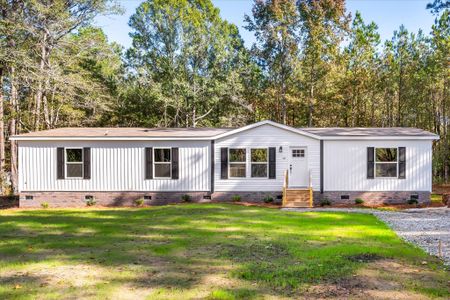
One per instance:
(313, 64)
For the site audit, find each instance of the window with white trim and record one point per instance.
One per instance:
(259, 162)
(386, 162)
(162, 162)
(237, 163)
(74, 162)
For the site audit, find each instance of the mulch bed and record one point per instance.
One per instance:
(9, 201)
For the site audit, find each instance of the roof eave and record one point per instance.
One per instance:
(105, 138)
(343, 138)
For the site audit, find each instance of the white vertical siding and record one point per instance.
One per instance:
(267, 136)
(119, 165)
(115, 166)
(345, 166)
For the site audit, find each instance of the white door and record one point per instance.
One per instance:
(298, 167)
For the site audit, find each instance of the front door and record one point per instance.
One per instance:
(298, 167)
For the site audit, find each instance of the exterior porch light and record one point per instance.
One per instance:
(280, 149)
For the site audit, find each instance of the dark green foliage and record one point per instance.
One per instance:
(268, 199)
(186, 198)
(325, 202)
(359, 201)
(236, 198)
(139, 202)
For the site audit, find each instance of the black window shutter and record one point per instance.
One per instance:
(402, 162)
(60, 163)
(149, 163)
(370, 162)
(224, 163)
(174, 163)
(272, 163)
(87, 163)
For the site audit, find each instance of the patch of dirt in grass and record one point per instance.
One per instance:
(380, 279)
(70, 275)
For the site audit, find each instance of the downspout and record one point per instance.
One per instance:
(212, 167)
(321, 166)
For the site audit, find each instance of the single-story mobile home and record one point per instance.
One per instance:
(298, 166)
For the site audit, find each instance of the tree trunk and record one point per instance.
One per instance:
(400, 90)
(310, 106)
(13, 130)
(40, 88)
(47, 117)
(311, 96)
(283, 103)
(2, 136)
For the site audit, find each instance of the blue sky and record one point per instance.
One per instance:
(388, 14)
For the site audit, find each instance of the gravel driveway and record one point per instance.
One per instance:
(424, 227)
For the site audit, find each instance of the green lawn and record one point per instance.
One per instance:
(208, 251)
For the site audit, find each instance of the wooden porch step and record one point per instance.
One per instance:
(296, 204)
(297, 197)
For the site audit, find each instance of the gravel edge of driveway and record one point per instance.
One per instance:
(422, 227)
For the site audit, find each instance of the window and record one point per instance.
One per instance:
(162, 162)
(74, 163)
(298, 152)
(259, 163)
(237, 162)
(414, 197)
(386, 162)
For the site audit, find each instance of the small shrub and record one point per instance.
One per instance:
(325, 201)
(412, 201)
(359, 201)
(44, 205)
(268, 199)
(186, 198)
(139, 202)
(90, 201)
(236, 198)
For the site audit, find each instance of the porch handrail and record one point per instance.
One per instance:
(285, 186)
(310, 189)
(286, 179)
(310, 179)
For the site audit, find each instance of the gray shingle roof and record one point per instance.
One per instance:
(207, 133)
(127, 132)
(368, 131)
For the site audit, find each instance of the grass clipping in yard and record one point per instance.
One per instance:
(209, 251)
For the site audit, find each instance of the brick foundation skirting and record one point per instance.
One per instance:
(371, 198)
(77, 199)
